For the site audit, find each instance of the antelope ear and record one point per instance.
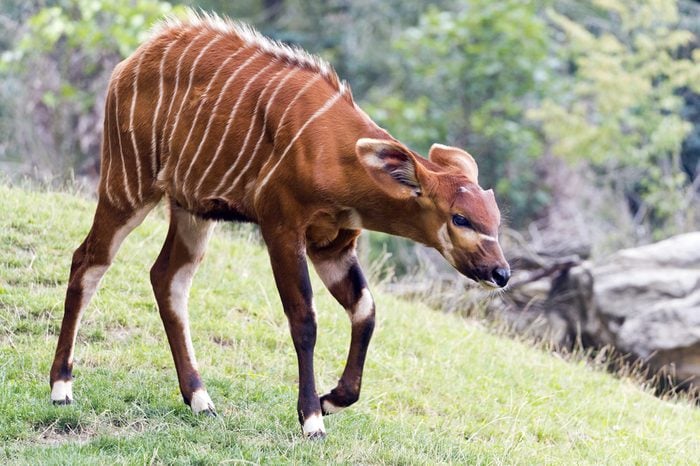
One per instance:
(391, 165)
(454, 158)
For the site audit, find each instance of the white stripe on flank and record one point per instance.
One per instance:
(161, 85)
(132, 130)
(205, 96)
(291, 104)
(184, 100)
(176, 88)
(212, 115)
(270, 100)
(127, 189)
(230, 120)
(107, 176)
(253, 120)
(329, 103)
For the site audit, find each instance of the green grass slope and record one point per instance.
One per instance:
(437, 389)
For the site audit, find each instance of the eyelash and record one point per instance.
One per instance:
(461, 221)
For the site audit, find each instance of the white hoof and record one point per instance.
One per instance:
(330, 408)
(62, 392)
(313, 426)
(201, 403)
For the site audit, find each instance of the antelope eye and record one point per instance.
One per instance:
(461, 221)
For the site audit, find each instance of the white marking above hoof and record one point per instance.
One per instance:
(201, 403)
(330, 408)
(62, 392)
(313, 427)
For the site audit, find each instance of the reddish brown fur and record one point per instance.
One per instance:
(299, 158)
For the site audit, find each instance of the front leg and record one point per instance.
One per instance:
(338, 267)
(292, 277)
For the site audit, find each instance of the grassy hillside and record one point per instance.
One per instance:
(437, 389)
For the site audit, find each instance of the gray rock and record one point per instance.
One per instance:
(645, 301)
(650, 299)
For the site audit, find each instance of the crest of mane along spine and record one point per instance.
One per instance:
(291, 54)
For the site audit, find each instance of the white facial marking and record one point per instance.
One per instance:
(201, 402)
(446, 244)
(313, 425)
(487, 237)
(62, 390)
(330, 408)
(327, 106)
(462, 189)
(363, 309)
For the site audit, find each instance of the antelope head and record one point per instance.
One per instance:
(448, 209)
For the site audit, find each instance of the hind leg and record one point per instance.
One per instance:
(171, 277)
(90, 262)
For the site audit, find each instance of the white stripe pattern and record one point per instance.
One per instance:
(253, 120)
(193, 68)
(329, 103)
(229, 122)
(291, 104)
(205, 97)
(161, 85)
(227, 128)
(107, 178)
(127, 189)
(212, 115)
(176, 88)
(249, 163)
(132, 130)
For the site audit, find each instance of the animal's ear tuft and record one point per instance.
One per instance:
(391, 165)
(453, 158)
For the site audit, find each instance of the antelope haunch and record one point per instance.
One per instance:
(229, 125)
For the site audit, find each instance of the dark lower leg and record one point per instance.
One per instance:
(171, 277)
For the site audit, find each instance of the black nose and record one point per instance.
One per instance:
(500, 276)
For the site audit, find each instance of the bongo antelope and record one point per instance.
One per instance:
(229, 125)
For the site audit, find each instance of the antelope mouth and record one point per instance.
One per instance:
(489, 284)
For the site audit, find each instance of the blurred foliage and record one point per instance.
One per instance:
(609, 85)
(620, 106)
(59, 65)
(466, 78)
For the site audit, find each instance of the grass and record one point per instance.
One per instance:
(437, 388)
